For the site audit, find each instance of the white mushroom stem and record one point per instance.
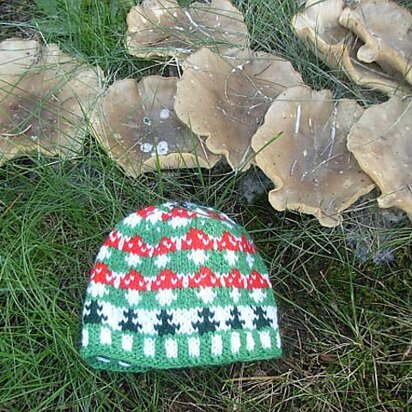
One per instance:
(333, 130)
(292, 168)
(298, 114)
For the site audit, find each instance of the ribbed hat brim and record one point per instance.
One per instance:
(118, 351)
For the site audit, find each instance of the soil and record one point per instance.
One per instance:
(15, 16)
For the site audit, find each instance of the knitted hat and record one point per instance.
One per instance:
(178, 285)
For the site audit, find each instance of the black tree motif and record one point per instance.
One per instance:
(95, 315)
(261, 320)
(166, 327)
(131, 321)
(206, 324)
(235, 322)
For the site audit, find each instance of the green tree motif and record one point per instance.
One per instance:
(166, 326)
(206, 324)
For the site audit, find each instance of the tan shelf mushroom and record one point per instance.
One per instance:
(44, 98)
(226, 99)
(381, 142)
(136, 124)
(17, 56)
(318, 25)
(386, 31)
(161, 28)
(301, 147)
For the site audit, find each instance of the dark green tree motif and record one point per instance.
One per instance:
(131, 322)
(206, 324)
(235, 322)
(166, 326)
(95, 315)
(261, 320)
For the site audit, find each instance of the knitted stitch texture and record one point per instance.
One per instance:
(178, 285)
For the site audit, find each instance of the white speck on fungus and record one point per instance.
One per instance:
(164, 114)
(146, 147)
(162, 148)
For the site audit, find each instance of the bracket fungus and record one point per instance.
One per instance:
(17, 56)
(386, 31)
(44, 99)
(318, 25)
(161, 28)
(232, 97)
(137, 125)
(302, 147)
(381, 142)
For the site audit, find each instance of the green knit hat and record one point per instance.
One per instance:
(178, 285)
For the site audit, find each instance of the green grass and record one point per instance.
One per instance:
(346, 321)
